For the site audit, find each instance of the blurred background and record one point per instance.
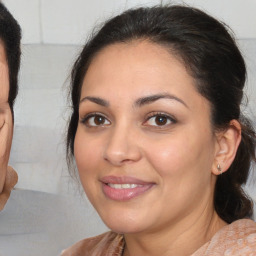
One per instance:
(53, 34)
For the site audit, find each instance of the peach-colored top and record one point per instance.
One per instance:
(236, 239)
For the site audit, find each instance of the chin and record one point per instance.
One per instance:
(123, 228)
(124, 223)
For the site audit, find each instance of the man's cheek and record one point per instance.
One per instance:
(2, 120)
(4, 83)
(4, 134)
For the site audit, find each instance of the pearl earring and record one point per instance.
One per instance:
(219, 169)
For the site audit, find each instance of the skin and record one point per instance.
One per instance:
(6, 123)
(180, 157)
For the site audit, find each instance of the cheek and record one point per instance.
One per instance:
(1, 119)
(86, 154)
(181, 154)
(167, 156)
(87, 159)
(183, 167)
(166, 159)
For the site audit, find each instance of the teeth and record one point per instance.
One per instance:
(123, 186)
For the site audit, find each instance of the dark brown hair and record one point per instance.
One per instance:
(212, 57)
(10, 35)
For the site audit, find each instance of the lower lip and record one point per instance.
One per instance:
(125, 194)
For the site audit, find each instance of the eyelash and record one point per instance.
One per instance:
(167, 117)
(86, 120)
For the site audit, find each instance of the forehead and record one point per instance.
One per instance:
(136, 65)
(4, 75)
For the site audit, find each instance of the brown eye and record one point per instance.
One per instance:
(99, 120)
(95, 120)
(159, 120)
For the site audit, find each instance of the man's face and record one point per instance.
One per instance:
(6, 123)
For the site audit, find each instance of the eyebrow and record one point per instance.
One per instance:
(152, 98)
(96, 100)
(138, 103)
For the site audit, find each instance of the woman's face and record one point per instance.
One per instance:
(144, 146)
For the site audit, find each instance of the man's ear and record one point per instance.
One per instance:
(227, 143)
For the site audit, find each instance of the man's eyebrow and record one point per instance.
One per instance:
(96, 100)
(152, 98)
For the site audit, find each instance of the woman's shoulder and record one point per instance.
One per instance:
(109, 243)
(237, 238)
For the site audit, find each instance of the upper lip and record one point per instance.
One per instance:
(123, 180)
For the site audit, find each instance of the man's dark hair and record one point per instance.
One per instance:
(10, 36)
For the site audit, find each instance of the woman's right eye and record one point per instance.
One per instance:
(94, 120)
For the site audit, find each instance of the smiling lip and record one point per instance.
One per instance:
(124, 188)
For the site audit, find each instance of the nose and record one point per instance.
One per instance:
(122, 146)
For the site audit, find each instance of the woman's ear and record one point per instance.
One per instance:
(227, 143)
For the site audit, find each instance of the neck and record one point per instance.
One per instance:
(171, 240)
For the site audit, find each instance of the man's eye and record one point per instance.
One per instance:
(95, 120)
(159, 120)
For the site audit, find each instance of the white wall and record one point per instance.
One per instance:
(68, 22)
(53, 31)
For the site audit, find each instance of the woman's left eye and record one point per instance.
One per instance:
(159, 120)
(95, 120)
